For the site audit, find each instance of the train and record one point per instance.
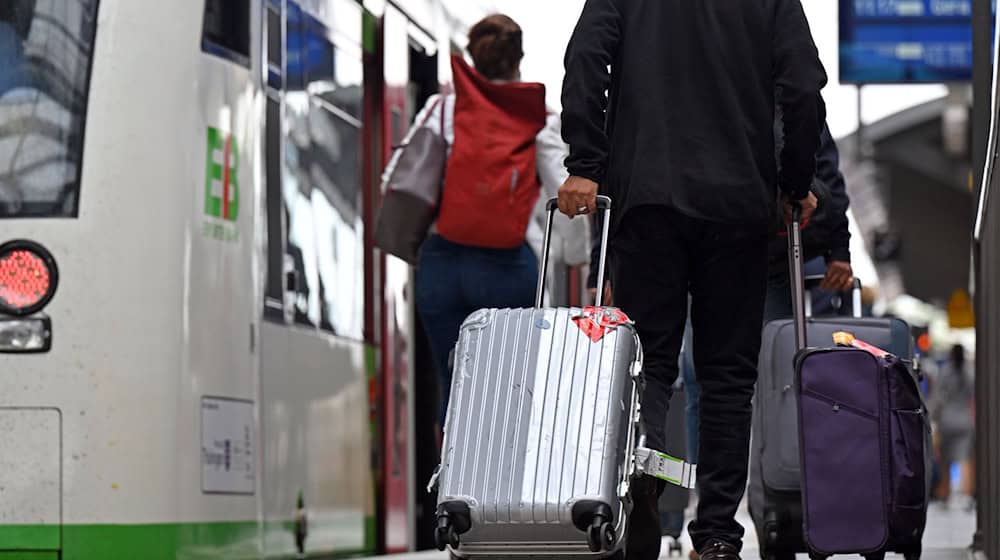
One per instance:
(202, 353)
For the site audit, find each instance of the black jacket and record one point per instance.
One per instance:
(827, 234)
(692, 94)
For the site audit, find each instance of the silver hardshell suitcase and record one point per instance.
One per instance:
(541, 431)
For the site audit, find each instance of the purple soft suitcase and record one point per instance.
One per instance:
(864, 441)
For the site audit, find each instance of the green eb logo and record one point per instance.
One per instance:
(222, 193)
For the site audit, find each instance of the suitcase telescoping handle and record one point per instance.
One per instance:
(799, 282)
(604, 205)
(813, 282)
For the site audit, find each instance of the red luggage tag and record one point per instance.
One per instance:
(595, 322)
(848, 339)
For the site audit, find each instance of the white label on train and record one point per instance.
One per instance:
(227, 446)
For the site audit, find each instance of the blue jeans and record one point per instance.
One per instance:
(453, 280)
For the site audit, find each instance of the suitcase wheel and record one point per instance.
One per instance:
(595, 520)
(453, 519)
(602, 535)
(446, 536)
(675, 548)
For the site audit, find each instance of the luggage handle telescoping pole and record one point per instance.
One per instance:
(856, 306)
(796, 268)
(603, 204)
(801, 307)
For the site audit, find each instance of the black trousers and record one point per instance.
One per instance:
(658, 256)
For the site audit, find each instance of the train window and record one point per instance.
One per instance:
(276, 280)
(326, 66)
(321, 177)
(274, 70)
(295, 76)
(226, 30)
(322, 198)
(45, 57)
(343, 89)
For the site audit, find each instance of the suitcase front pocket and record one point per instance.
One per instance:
(841, 477)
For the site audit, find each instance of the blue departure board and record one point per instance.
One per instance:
(905, 41)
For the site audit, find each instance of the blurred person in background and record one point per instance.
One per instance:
(952, 413)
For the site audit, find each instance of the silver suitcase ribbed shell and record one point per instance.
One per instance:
(541, 420)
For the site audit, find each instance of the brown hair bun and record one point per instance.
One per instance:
(496, 48)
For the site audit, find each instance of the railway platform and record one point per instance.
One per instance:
(949, 533)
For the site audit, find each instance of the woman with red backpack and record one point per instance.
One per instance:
(504, 150)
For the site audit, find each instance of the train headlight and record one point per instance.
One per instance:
(28, 277)
(25, 335)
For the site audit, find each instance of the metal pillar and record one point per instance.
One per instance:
(982, 79)
(986, 538)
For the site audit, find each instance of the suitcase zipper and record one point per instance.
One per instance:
(915, 412)
(838, 406)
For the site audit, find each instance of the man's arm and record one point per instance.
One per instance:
(839, 274)
(828, 171)
(799, 77)
(589, 55)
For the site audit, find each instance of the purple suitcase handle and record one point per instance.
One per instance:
(800, 283)
(796, 268)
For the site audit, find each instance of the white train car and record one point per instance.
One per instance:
(201, 354)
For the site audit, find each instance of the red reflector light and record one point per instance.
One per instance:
(27, 277)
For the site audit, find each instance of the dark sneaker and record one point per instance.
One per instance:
(718, 550)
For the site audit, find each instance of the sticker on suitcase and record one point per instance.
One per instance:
(842, 338)
(595, 322)
(666, 467)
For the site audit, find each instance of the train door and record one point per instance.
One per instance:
(426, 454)
(406, 68)
(318, 491)
(396, 316)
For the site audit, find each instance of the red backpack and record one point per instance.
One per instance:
(491, 181)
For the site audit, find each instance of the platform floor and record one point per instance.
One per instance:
(949, 533)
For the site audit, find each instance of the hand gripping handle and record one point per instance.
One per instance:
(604, 205)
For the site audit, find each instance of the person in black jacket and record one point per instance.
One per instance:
(669, 106)
(826, 239)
